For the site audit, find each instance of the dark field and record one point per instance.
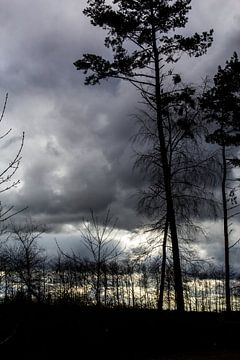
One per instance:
(67, 331)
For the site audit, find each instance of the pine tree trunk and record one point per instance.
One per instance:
(178, 286)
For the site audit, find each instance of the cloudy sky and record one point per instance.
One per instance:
(77, 154)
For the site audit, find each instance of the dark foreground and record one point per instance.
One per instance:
(70, 332)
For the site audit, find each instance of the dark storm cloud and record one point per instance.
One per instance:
(76, 137)
(79, 165)
(77, 153)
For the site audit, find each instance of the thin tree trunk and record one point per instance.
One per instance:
(98, 290)
(226, 238)
(117, 290)
(163, 267)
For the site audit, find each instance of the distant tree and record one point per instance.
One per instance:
(221, 104)
(99, 238)
(115, 272)
(142, 36)
(25, 257)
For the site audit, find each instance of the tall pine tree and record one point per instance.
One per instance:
(143, 37)
(221, 104)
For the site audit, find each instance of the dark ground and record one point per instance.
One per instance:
(71, 332)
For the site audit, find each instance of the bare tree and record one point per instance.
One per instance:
(25, 257)
(7, 173)
(192, 170)
(98, 237)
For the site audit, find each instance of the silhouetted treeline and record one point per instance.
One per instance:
(123, 283)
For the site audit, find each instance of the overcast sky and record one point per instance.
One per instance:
(77, 154)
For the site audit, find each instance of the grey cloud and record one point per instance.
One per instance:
(77, 153)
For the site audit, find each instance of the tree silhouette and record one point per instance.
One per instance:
(143, 39)
(192, 168)
(221, 104)
(25, 257)
(7, 173)
(98, 236)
